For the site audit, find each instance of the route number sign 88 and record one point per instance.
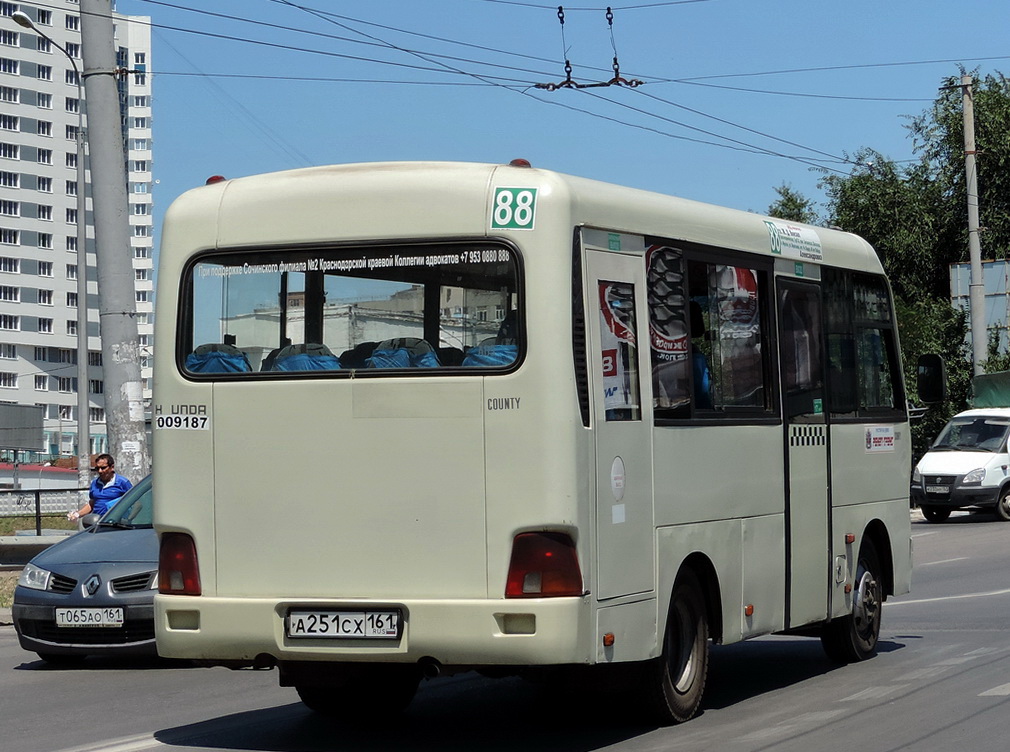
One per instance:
(514, 208)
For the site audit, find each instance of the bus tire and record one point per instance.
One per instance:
(675, 682)
(853, 637)
(372, 694)
(937, 514)
(1003, 505)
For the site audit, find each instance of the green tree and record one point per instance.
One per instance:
(793, 206)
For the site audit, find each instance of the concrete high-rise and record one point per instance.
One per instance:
(39, 106)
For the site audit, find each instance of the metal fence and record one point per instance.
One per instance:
(36, 503)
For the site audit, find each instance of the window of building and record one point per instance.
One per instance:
(45, 268)
(71, 77)
(10, 94)
(141, 209)
(8, 380)
(140, 144)
(10, 323)
(10, 38)
(71, 187)
(45, 297)
(71, 326)
(44, 156)
(141, 231)
(71, 300)
(94, 359)
(10, 151)
(65, 384)
(142, 274)
(42, 354)
(70, 242)
(66, 412)
(44, 45)
(141, 122)
(139, 165)
(45, 17)
(41, 382)
(71, 216)
(10, 265)
(73, 23)
(45, 326)
(142, 296)
(71, 271)
(71, 159)
(97, 415)
(141, 252)
(44, 128)
(10, 294)
(73, 49)
(71, 132)
(140, 101)
(10, 123)
(44, 72)
(72, 104)
(10, 208)
(45, 101)
(8, 351)
(10, 179)
(9, 237)
(96, 386)
(140, 187)
(45, 240)
(140, 78)
(45, 184)
(45, 213)
(9, 66)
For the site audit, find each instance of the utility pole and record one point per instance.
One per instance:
(976, 288)
(117, 307)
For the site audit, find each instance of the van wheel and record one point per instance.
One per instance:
(1003, 505)
(674, 682)
(938, 514)
(854, 637)
(370, 695)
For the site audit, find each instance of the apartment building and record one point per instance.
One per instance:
(40, 106)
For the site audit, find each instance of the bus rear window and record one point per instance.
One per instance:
(370, 309)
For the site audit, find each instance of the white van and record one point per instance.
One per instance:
(967, 466)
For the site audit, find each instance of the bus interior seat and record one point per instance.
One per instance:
(216, 357)
(403, 352)
(450, 356)
(357, 356)
(500, 350)
(310, 356)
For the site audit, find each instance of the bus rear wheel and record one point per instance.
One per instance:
(675, 682)
(853, 637)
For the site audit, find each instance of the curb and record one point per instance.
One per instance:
(5, 617)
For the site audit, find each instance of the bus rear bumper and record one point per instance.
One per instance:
(521, 632)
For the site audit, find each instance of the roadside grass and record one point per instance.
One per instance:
(7, 582)
(8, 525)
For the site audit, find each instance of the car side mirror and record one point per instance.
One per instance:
(931, 379)
(90, 520)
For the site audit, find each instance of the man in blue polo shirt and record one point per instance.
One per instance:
(105, 489)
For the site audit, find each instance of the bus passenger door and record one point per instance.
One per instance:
(617, 324)
(807, 499)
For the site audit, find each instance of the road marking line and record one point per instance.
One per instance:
(892, 604)
(805, 719)
(136, 743)
(874, 693)
(1001, 691)
(922, 673)
(944, 561)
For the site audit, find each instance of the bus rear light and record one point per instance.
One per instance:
(543, 565)
(178, 570)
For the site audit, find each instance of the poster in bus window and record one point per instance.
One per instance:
(668, 329)
(739, 320)
(620, 377)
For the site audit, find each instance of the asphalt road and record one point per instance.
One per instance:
(941, 682)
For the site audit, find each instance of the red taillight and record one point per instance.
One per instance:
(178, 570)
(543, 565)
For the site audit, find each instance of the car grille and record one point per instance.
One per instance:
(939, 480)
(61, 584)
(133, 630)
(133, 583)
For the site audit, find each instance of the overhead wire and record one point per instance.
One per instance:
(513, 84)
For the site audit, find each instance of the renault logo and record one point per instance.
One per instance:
(92, 584)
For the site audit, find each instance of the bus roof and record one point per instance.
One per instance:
(418, 200)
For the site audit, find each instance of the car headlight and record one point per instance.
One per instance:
(34, 577)
(975, 476)
(916, 475)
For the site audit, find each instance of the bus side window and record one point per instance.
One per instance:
(217, 358)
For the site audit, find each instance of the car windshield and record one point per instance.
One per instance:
(979, 434)
(134, 509)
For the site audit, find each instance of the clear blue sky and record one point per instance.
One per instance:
(454, 80)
